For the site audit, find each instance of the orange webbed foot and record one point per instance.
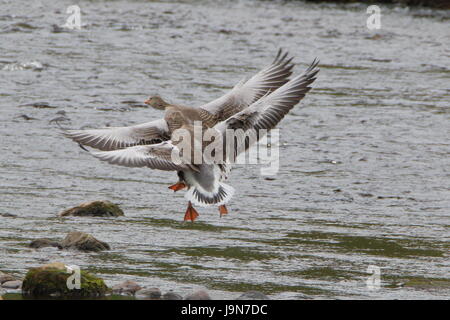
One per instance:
(223, 210)
(177, 186)
(191, 214)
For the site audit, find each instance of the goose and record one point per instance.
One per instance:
(240, 97)
(204, 181)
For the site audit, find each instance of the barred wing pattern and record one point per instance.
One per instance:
(247, 92)
(113, 138)
(267, 112)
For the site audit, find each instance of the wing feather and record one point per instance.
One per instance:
(107, 139)
(156, 156)
(247, 92)
(268, 111)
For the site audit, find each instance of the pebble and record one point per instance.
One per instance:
(127, 288)
(198, 295)
(171, 296)
(16, 284)
(149, 293)
(8, 215)
(6, 277)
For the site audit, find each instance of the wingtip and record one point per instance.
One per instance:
(283, 57)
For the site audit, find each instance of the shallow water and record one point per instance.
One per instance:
(364, 176)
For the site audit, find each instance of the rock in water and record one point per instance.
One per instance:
(84, 242)
(4, 277)
(149, 294)
(51, 280)
(43, 242)
(253, 295)
(127, 287)
(198, 295)
(171, 296)
(15, 284)
(94, 209)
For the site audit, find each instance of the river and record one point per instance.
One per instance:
(363, 183)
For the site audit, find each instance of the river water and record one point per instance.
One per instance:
(364, 160)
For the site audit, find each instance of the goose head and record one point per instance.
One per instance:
(156, 102)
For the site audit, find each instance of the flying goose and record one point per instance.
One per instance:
(240, 97)
(204, 181)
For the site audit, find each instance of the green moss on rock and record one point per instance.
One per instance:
(94, 209)
(51, 281)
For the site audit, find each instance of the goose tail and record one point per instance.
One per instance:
(202, 198)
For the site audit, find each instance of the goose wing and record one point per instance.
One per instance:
(156, 156)
(247, 92)
(113, 138)
(267, 112)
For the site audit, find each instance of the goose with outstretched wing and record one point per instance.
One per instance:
(204, 181)
(240, 97)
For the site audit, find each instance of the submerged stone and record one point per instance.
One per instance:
(127, 287)
(149, 293)
(198, 295)
(94, 209)
(43, 242)
(172, 296)
(52, 280)
(84, 242)
(14, 284)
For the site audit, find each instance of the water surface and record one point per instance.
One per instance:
(364, 176)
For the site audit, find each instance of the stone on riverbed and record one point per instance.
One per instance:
(15, 284)
(198, 295)
(4, 277)
(171, 296)
(43, 242)
(84, 242)
(94, 209)
(51, 280)
(126, 288)
(149, 294)
(253, 295)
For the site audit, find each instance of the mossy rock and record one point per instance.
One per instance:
(51, 281)
(94, 209)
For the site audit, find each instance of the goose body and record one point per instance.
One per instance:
(204, 181)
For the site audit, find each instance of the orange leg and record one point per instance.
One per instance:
(223, 210)
(177, 186)
(191, 214)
